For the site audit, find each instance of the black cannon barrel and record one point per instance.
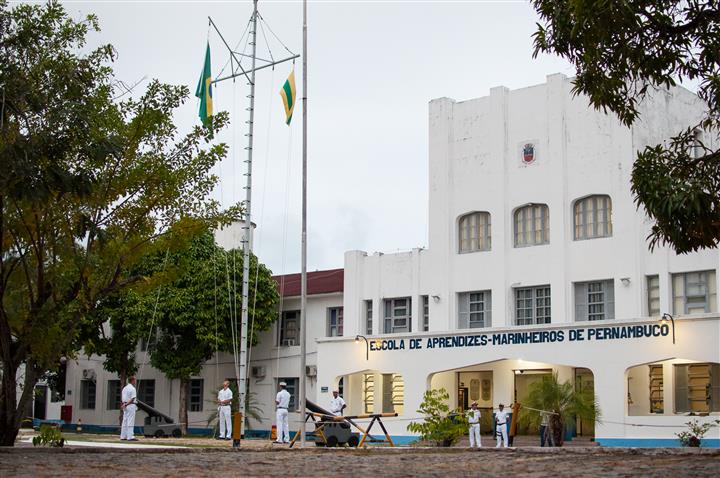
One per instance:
(153, 412)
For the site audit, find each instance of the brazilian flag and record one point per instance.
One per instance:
(204, 92)
(287, 93)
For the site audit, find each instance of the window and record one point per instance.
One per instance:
(656, 388)
(697, 388)
(532, 225)
(653, 295)
(698, 147)
(393, 393)
(593, 217)
(426, 313)
(694, 292)
(195, 395)
(289, 326)
(292, 388)
(368, 392)
(335, 322)
(87, 394)
(532, 305)
(397, 315)
(474, 309)
(474, 232)
(594, 300)
(113, 395)
(368, 317)
(146, 392)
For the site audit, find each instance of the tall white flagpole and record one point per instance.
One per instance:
(303, 275)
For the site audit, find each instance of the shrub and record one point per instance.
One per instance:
(49, 436)
(440, 425)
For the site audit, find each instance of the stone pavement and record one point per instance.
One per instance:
(282, 461)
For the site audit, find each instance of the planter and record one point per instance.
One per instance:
(693, 442)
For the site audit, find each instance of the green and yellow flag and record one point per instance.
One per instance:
(288, 96)
(204, 91)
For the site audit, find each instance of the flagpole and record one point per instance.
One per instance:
(303, 275)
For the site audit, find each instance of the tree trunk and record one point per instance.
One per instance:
(557, 428)
(182, 414)
(12, 409)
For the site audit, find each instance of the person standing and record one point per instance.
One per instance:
(473, 416)
(128, 404)
(501, 417)
(337, 404)
(282, 402)
(513, 421)
(225, 397)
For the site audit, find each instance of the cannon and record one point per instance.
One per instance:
(157, 424)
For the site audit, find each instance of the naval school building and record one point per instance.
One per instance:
(537, 263)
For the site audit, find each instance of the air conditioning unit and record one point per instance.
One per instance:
(258, 372)
(288, 342)
(311, 370)
(88, 374)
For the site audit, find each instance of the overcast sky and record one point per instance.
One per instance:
(372, 69)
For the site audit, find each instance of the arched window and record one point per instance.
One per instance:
(593, 217)
(532, 225)
(474, 232)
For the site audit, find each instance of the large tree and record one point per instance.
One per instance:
(622, 50)
(87, 183)
(196, 313)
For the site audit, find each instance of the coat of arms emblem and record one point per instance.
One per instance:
(528, 153)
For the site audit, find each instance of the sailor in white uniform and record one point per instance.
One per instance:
(282, 402)
(337, 404)
(128, 399)
(501, 418)
(225, 397)
(473, 416)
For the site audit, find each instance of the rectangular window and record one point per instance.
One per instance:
(474, 309)
(657, 404)
(113, 395)
(398, 313)
(335, 322)
(195, 395)
(368, 392)
(532, 305)
(368, 317)
(594, 300)
(146, 391)
(292, 388)
(87, 394)
(697, 388)
(426, 313)
(694, 293)
(393, 393)
(653, 296)
(289, 328)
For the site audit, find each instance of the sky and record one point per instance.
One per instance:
(373, 67)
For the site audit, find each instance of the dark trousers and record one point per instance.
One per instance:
(543, 428)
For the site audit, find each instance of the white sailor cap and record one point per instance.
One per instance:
(283, 384)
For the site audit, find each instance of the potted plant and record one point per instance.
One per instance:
(695, 432)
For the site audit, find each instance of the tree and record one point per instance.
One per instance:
(195, 315)
(622, 50)
(89, 185)
(563, 401)
(439, 424)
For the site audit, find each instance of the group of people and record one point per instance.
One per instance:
(500, 426)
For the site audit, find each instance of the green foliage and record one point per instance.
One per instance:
(623, 50)
(49, 435)
(695, 432)
(564, 401)
(89, 185)
(439, 425)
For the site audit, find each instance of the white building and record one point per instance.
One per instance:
(537, 262)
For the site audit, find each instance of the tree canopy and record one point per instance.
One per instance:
(622, 50)
(90, 183)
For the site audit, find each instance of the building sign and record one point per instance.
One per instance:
(528, 153)
(591, 334)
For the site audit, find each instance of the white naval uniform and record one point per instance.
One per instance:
(501, 418)
(127, 430)
(224, 413)
(474, 421)
(336, 405)
(281, 416)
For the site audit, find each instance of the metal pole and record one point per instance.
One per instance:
(242, 370)
(303, 275)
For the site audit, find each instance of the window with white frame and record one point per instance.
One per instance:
(532, 225)
(426, 313)
(594, 300)
(335, 322)
(289, 326)
(593, 217)
(393, 393)
(474, 309)
(113, 395)
(195, 394)
(146, 391)
(292, 388)
(694, 292)
(474, 232)
(368, 392)
(398, 313)
(653, 295)
(697, 387)
(368, 317)
(87, 394)
(532, 305)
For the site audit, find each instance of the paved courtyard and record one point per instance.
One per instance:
(281, 461)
